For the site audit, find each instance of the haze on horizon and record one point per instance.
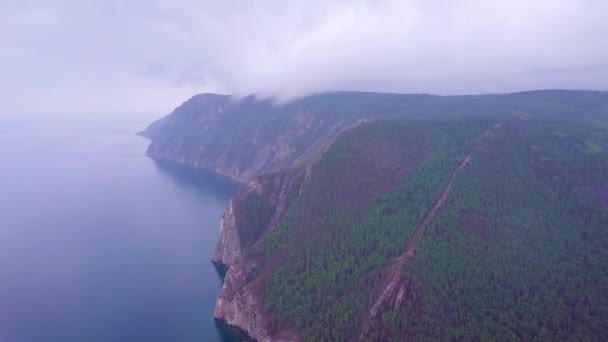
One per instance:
(86, 57)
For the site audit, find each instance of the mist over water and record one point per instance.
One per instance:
(100, 243)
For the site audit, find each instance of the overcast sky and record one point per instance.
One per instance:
(144, 57)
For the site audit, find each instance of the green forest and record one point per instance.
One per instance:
(519, 252)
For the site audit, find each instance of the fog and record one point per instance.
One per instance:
(142, 58)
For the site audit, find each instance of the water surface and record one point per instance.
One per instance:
(100, 243)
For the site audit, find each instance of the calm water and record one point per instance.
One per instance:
(99, 242)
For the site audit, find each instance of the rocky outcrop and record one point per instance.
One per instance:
(240, 303)
(256, 209)
(228, 247)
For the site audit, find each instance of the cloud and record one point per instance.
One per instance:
(68, 54)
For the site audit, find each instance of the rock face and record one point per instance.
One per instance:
(239, 303)
(254, 210)
(228, 247)
(243, 138)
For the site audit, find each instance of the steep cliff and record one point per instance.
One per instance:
(253, 212)
(239, 304)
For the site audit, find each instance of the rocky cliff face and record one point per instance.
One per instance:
(243, 138)
(255, 210)
(239, 305)
(228, 247)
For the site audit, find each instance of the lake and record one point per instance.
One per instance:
(99, 242)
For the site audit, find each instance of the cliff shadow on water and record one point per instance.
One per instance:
(221, 269)
(200, 181)
(197, 179)
(229, 333)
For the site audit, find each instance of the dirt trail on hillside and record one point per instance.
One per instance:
(396, 285)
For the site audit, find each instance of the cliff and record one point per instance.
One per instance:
(239, 305)
(254, 211)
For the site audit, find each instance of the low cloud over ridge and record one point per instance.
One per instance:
(145, 55)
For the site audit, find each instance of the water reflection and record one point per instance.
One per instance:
(231, 334)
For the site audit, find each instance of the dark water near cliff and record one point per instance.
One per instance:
(99, 242)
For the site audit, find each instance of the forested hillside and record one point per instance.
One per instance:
(519, 251)
(353, 216)
(466, 218)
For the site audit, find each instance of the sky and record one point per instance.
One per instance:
(143, 58)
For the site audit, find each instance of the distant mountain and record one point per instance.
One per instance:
(243, 138)
(372, 216)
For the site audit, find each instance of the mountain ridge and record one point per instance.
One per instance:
(243, 138)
